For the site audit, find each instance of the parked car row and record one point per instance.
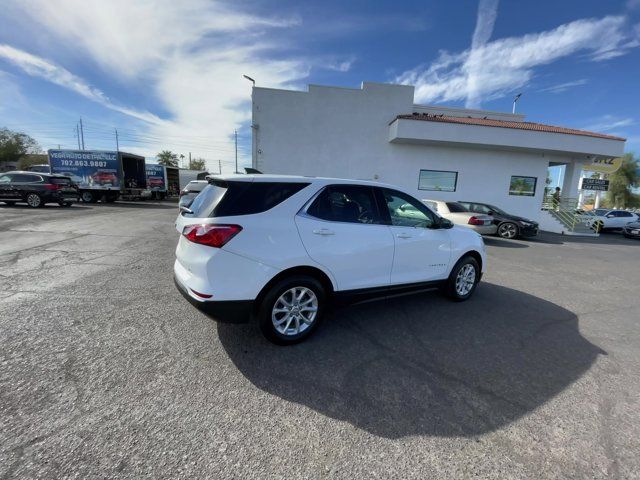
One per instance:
(37, 188)
(484, 218)
(603, 219)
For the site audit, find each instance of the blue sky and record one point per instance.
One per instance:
(168, 75)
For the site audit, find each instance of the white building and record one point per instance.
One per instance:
(377, 132)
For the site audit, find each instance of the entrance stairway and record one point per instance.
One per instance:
(563, 218)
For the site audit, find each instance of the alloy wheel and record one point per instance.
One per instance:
(294, 311)
(33, 200)
(465, 279)
(508, 230)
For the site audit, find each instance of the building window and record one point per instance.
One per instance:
(439, 180)
(523, 186)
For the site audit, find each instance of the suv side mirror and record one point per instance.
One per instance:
(445, 223)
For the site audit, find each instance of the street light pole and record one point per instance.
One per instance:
(515, 100)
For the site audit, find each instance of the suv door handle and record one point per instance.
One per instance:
(324, 231)
(403, 235)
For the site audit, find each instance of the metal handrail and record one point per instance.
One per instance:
(566, 211)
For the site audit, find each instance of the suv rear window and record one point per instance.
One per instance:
(226, 199)
(455, 207)
(60, 181)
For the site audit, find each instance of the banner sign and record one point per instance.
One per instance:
(87, 168)
(595, 184)
(156, 180)
(604, 165)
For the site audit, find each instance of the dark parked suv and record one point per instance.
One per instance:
(36, 188)
(509, 226)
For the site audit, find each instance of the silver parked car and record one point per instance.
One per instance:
(190, 192)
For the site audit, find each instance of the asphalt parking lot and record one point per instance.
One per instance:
(107, 372)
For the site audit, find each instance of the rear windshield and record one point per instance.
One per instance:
(60, 181)
(455, 207)
(226, 199)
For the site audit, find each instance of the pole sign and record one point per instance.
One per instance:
(156, 180)
(92, 169)
(604, 165)
(595, 184)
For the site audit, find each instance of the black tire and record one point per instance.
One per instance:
(450, 289)
(88, 197)
(34, 200)
(265, 310)
(508, 230)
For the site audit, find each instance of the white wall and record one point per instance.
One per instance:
(339, 132)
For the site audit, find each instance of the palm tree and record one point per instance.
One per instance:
(622, 181)
(167, 158)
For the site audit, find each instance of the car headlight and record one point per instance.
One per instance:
(526, 224)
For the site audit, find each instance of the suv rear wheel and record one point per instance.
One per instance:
(292, 309)
(463, 279)
(34, 200)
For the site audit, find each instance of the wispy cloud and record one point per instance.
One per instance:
(607, 123)
(563, 87)
(487, 13)
(39, 67)
(189, 56)
(494, 68)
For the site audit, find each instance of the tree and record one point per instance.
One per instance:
(32, 159)
(198, 164)
(622, 181)
(13, 145)
(167, 158)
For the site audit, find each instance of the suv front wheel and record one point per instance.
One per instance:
(292, 309)
(463, 279)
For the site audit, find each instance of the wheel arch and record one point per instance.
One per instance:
(471, 253)
(314, 272)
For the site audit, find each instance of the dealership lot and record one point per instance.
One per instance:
(108, 372)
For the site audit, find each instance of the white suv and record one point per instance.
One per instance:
(278, 249)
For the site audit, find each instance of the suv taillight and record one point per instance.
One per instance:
(52, 186)
(475, 221)
(210, 234)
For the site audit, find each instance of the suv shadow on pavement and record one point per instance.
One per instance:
(421, 365)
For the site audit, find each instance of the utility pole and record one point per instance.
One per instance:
(117, 142)
(220, 167)
(82, 133)
(78, 135)
(236, 135)
(189, 160)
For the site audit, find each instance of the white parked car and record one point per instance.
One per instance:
(606, 219)
(278, 249)
(460, 215)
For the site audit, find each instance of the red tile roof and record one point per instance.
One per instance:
(486, 122)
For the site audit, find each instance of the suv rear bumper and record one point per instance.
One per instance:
(226, 311)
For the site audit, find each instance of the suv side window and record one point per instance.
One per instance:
(406, 211)
(5, 178)
(24, 178)
(624, 214)
(346, 203)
